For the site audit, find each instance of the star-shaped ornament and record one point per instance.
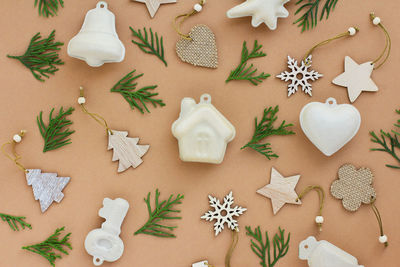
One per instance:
(281, 190)
(357, 78)
(262, 11)
(153, 5)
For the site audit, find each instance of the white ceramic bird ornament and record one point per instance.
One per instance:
(261, 11)
(324, 254)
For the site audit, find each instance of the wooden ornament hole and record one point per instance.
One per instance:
(299, 76)
(224, 213)
(306, 246)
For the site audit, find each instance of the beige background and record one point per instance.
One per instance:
(94, 176)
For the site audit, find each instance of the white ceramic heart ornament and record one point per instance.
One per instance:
(329, 126)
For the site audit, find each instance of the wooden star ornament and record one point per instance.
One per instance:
(281, 190)
(153, 5)
(356, 77)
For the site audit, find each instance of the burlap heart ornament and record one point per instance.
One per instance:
(200, 49)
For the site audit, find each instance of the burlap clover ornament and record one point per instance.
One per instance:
(353, 187)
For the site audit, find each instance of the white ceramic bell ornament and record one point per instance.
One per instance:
(324, 254)
(104, 243)
(202, 131)
(329, 126)
(97, 42)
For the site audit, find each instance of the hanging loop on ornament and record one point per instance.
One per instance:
(96, 117)
(177, 24)
(15, 157)
(388, 42)
(319, 220)
(382, 238)
(350, 32)
(235, 239)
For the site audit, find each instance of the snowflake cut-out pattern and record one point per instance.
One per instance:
(223, 213)
(299, 76)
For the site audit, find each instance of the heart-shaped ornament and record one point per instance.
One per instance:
(329, 126)
(200, 49)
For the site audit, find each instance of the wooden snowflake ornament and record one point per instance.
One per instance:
(299, 76)
(223, 213)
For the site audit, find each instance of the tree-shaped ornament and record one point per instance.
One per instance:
(126, 149)
(301, 75)
(47, 187)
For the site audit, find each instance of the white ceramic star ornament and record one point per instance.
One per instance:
(153, 5)
(281, 190)
(261, 11)
(357, 77)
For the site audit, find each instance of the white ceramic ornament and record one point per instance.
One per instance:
(153, 5)
(262, 11)
(104, 244)
(324, 254)
(202, 131)
(201, 264)
(329, 126)
(97, 42)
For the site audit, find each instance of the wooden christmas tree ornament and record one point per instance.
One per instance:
(126, 149)
(47, 187)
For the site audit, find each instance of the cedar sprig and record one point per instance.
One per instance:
(41, 57)
(266, 128)
(394, 144)
(137, 98)
(48, 7)
(310, 16)
(45, 249)
(162, 211)
(154, 46)
(55, 134)
(13, 221)
(242, 72)
(263, 248)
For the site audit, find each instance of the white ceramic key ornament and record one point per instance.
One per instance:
(104, 244)
(324, 254)
(329, 126)
(97, 42)
(202, 131)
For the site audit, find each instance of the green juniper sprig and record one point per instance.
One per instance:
(136, 98)
(242, 72)
(48, 7)
(310, 16)
(394, 144)
(266, 128)
(263, 248)
(14, 220)
(161, 212)
(45, 249)
(154, 46)
(54, 134)
(41, 57)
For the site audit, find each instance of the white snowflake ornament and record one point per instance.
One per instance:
(223, 213)
(299, 76)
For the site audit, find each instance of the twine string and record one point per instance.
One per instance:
(14, 157)
(99, 119)
(378, 217)
(235, 239)
(178, 24)
(341, 35)
(388, 45)
(321, 196)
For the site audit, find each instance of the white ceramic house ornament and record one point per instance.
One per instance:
(97, 42)
(324, 254)
(104, 244)
(202, 131)
(329, 126)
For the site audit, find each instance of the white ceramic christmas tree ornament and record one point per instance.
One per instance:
(97, 42)
(153, 5)
(300, 75)
(46, 187)
(202, 131)
(261, 11)
(357, 77)
(329, 126)
(324, 254)
(104, 243)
